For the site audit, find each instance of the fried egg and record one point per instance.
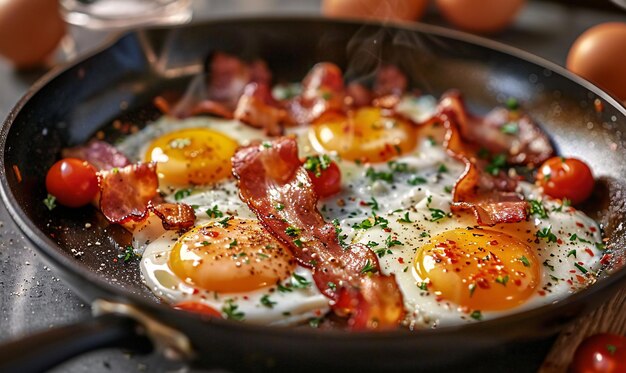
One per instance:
(395, 199)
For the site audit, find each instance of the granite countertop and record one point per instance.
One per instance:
(31, 295)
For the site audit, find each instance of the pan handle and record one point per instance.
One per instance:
(42, 351)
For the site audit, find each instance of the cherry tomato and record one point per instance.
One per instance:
(329, 180)
(601, 353)
(195, 307)
(566, 178)
(72, 181)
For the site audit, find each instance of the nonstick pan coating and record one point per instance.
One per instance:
(72, 104)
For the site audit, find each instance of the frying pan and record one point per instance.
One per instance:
(114, 86)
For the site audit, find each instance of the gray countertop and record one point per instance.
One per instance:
(33, 298)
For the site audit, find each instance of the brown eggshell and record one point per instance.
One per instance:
(599, 55)
(393, 10)
(481, 16)
(29, 30)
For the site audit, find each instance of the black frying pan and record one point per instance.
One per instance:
(69, 105)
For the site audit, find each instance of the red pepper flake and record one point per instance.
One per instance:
(18, 174)
(580, 225)
(401, 260)
(588, 251)
(318, 312)
(114, 260)
(598, 105)
(195, 291)
(493, 243)
(572, 271)
(517, 282)
(363, 203)
(559, 241)
(605, 259)
(541, 292)
(570, 282)
(593, 229)
(438, 298)
(213, 234)
(245, 297)
(581, 279)
(387, 230)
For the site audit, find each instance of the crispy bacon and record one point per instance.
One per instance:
(522, 140)
(258, 108)
(130, 193)
(100, 154)
(322, 90)
(492, 199)
(350, 277)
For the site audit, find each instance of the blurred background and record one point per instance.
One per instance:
(586, 36)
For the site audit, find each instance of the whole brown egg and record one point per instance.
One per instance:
(29, 30)
(599, 55)
(481, 16)
(402, 10)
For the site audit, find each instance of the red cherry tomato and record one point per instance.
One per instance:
(566, 178)
(328, 182)
(72, 181)
(203, 309)
(600, 353)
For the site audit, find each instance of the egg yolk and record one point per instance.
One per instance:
(192, 156)
(230, 257)
(367, 134)
(479, 269)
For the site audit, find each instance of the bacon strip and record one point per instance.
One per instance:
(350, 277)
(491, 199)
(100, 154)
(258, 108)
(130, 193)
(522, 141)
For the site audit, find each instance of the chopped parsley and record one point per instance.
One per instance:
(436, 214)
(575, 237)
(382, 251)
(129, 254)
(472, 289)
(332, 286)
(231, 311)
(448, 189)
(279, 206)
(405, 218)
(372, 203)
(566, 203)
(391, 242)
(611, 349)
(398, 166)
(369, 267)
(292, 231)
(182, 193)
(299, 282)
(232, 243)
(50, 202)
(267, 144)
(502, 280)
(546, 233)
(214, 212)
(317, 164)
(572, 253)
(581, 268)
(525, 261)
(417, 180)
(423, 285)
(497, 164)
(267, 302)
(512, 103)
(510, 128)
(371, 244)
(537, 208)
(476, 315)
(442, 168)
(315, 322)
(379, 175)
(224, 222)
(298, 242)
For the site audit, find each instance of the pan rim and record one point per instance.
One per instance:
(64, 264)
